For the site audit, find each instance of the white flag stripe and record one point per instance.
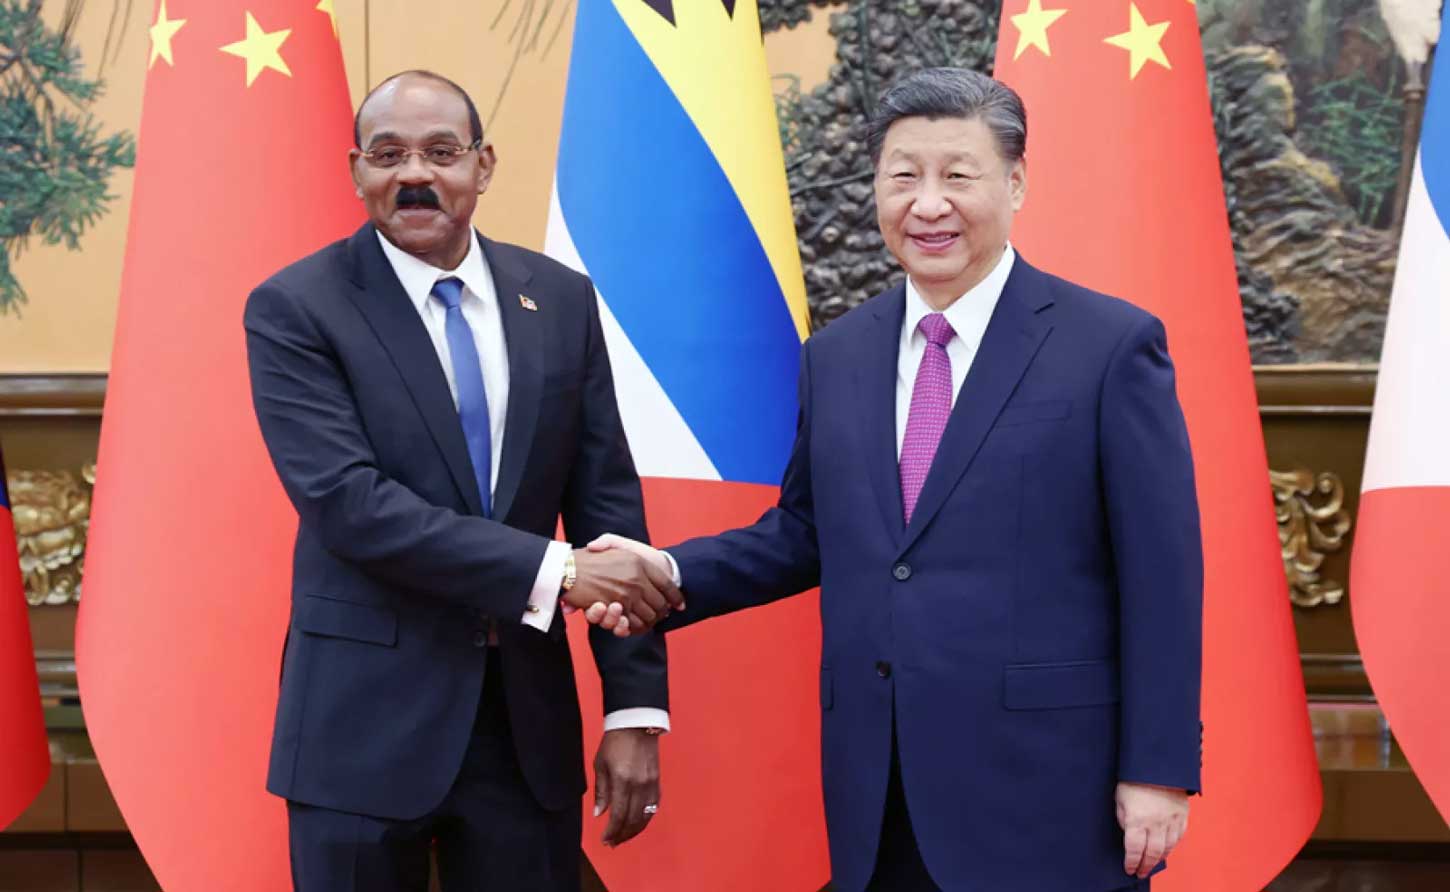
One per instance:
(662, 443)
(1409, 436)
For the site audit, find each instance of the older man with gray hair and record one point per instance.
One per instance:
(992, 485)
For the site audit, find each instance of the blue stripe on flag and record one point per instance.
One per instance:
(1435, 134)
(661, 231)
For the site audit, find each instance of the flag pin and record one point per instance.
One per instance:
(528, 304)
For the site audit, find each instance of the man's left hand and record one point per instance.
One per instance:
(626, 780)
(1153, 819)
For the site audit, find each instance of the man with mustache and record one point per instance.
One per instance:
(992, 486)
(434, 402)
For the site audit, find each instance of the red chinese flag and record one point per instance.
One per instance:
(241, 169)
(24, 752)
(1125, 196)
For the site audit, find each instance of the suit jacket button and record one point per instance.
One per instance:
(883, 669)
(480, 638)
(901, 571)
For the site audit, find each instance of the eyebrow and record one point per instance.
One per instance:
(431, 138)
(955, 158)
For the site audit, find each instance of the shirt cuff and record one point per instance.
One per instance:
(674, 570)
(544, 599)
(637, 717)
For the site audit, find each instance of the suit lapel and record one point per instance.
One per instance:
(524, 332)
(877, 384)
(1016, 331)
(395, 321)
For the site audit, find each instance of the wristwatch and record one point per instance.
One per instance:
(571, 574)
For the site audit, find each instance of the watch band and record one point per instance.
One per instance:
(571, 573)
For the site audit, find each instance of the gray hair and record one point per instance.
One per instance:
(934, 93)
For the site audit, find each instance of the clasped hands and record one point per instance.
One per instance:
(623, 585)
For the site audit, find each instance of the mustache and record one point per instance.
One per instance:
(417, 197)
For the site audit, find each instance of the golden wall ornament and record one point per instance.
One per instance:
(1312, 524)
(52, 511)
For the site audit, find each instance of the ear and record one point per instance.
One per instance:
(354, 158)
(1017, 183)
(487, 162)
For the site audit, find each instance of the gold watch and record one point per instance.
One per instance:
(571, 573)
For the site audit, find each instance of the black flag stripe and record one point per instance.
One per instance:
(666, 8)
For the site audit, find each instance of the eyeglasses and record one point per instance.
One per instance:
(438, 155)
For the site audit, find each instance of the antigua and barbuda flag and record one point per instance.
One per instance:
(1399, 597)
(671, 194)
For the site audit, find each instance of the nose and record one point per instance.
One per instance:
(930, 203)
(414, 170)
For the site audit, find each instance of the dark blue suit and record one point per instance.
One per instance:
(1034, 634)
(396, 575)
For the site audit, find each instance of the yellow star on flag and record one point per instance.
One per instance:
(1142, 41)
(161, 33)
(261, 50)
(1032, 27)
(326, 6)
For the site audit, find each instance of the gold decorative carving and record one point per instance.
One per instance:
(52, 512)
(1312, 524)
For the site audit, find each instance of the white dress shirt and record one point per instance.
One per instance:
(968, 316)
(481, 310)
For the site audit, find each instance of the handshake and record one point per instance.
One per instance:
(623, 585)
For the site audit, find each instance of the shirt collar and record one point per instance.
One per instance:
(976, 304)
(418, 276)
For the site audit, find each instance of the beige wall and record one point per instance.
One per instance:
(67, 324)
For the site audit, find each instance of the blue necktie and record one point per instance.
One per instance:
(468, 378)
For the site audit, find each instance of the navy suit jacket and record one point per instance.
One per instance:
(1035, 632)
(396, 575)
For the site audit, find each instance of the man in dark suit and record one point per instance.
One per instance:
(433, 402)
(992, 485)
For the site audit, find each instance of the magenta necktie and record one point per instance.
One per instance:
(931, 405)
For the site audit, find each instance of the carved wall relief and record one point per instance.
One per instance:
(52, 511)
(1312, 523)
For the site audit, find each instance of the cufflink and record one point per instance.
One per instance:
(532, 608)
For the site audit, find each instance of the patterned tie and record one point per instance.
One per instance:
(931, 405)
(468, 378)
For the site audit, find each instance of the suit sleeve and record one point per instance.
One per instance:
(315, 436)
(603, 496)
(1152, 510)
(773, 558)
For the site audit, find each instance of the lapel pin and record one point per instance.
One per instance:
(528, 304)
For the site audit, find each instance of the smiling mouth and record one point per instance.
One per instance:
(934, 240)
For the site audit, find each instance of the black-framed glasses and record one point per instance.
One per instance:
(436, 155)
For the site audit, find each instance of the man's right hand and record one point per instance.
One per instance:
(609, 616)
(631, 587)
